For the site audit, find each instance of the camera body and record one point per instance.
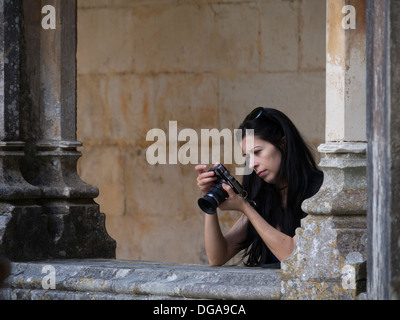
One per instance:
(217, 194)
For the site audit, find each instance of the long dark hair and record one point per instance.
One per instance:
(296, 169)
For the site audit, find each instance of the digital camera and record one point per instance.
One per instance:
(217, 194)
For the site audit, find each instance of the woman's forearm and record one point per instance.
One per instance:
(215, 243)
(280, 244)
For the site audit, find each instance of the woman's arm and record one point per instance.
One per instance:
(219, 248)
(280, 244)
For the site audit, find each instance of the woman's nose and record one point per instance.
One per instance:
(252, 163)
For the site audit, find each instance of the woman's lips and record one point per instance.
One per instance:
(261, 173)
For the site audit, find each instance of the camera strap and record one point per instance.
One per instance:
(252, 202)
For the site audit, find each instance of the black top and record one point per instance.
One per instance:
(315, 184)
(316, 180)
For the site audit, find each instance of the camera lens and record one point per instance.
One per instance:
(212, 199)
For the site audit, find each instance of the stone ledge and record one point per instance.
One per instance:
(127, 279)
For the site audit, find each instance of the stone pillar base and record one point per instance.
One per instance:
(23, 232)
(79, 232)
(30, 232)
(329, 260)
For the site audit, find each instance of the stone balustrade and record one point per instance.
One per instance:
(109, 279)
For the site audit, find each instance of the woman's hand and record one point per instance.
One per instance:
(233, 202)
(205, 179)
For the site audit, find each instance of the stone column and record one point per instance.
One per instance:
(44, 118)
(76, 225)
(23, 231)
(383, 57)
(329, 258)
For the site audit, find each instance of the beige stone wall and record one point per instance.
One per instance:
(205, 64)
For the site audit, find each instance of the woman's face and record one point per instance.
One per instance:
(264, 157)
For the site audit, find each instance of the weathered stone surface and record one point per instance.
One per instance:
(344, 188)
(78, 230)
(57, 176)
(345, 73)
(182, 38)
(125, 279)
(13, 186)
(65, 222)
(23, 232)
(22, 224)
(280, 46)
(312, 39)
(109, 46)
(30, 232)
(383, 118)
(326, 263)
(329, 259)
(5, 269)
(49, 123)
(9, 70)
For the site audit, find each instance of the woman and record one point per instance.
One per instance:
(284, 175)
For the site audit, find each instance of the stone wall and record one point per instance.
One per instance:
(205, 64)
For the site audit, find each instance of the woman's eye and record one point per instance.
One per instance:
(257, 152)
